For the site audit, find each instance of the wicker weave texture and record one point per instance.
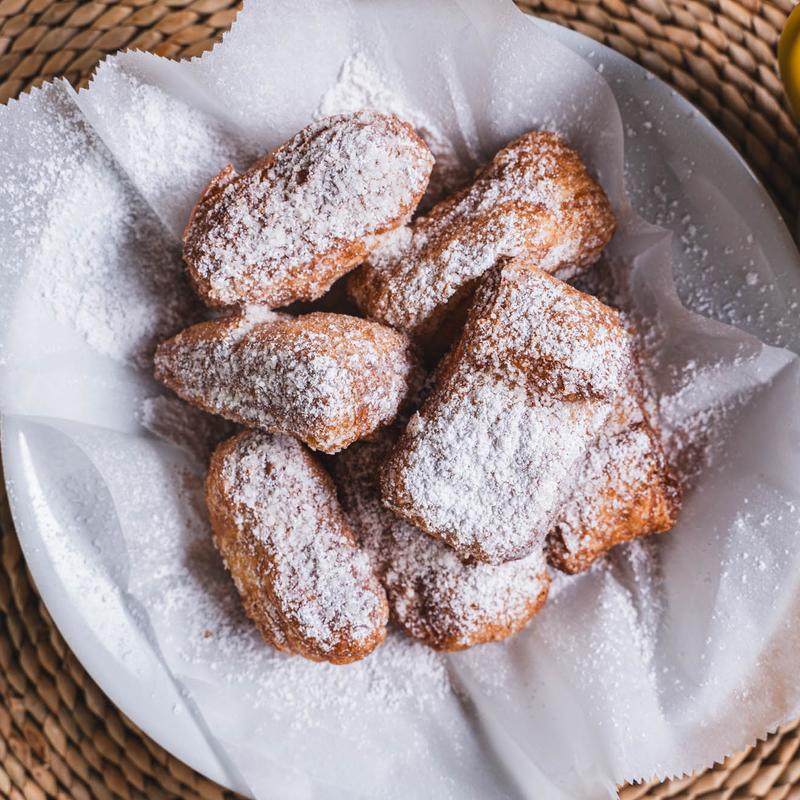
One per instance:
(59, 735)
(40, 39)
(721, 54)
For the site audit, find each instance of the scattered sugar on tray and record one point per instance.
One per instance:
(638, 565)
(752, 299)
(361, 85)
(168, 147)
(693, 437)
(601, 644)
(103, 261)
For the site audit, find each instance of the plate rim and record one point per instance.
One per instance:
(173, 738)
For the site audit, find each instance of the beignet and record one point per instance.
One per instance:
(290, 551)
(487, 462)
(305, 214)
(327, 379)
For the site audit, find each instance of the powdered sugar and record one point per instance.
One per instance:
(362, 86)
(167, 146)
(537, 331)
(470, 470)
(566, 716)
(294, 222)
(103, 262)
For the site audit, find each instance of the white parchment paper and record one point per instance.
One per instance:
(673, 653)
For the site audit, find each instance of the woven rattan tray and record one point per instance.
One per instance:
(59, 735)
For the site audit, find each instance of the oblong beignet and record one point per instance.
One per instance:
(433, 595)
(534, 199)
(327, 379)
(305, 214)
(288, 547)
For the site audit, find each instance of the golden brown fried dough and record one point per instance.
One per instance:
(433, 595)
(308, 212)
(488, 461)
(535, 199)
(327, 379)
(624, 489)
(290, 551)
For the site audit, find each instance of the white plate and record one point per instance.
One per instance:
(682, 174)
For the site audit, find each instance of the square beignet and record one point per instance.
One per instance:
(487, 462)
(624, 488)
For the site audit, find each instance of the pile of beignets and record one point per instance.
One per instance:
(444, 489)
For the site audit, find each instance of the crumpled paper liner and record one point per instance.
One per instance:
(672, 654)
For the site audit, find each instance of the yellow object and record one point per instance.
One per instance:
(789, 60)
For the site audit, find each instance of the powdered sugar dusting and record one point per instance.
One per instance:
(100, 259)
(487, 469)
(361, 85)
(534, 329)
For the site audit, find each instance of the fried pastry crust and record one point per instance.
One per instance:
(433, 595)
(306, 213)
(487, 462)
(290, 551)
(535, 199)
(624, 489)
(327, 379)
